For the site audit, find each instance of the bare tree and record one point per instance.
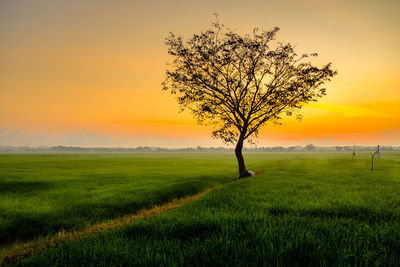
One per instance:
(236, 83)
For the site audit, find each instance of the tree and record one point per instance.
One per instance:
(236, 83)
(310, 147)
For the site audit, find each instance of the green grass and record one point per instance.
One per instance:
(42, 194)
(304, 209)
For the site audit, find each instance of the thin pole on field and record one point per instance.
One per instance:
(378, 154)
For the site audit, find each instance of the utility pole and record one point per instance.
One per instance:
(377, 153)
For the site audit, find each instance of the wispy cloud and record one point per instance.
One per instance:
(93, 139)
(373, 110)
(85, 138)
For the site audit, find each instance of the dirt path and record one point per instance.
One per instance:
(19, 252)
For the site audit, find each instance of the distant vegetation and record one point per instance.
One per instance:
(307, 148)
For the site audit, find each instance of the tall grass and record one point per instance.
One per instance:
(43, 194)
(304, 209)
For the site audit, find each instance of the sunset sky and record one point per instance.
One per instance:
(89, 73)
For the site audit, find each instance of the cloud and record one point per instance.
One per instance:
(372, 110)
(93, 139)
(84, 138)
(387, 137)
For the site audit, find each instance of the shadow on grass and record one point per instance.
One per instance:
(356, 213)
(23, 187)
(177, 230)
(191, 241)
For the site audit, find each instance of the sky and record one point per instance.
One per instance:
(89, 73)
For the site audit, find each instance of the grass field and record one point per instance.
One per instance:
(303, 209)
(42, 194)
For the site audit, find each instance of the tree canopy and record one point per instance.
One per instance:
(236, 83)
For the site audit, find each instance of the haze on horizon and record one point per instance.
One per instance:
(89, 73)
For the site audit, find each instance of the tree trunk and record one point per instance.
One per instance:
(239, 156)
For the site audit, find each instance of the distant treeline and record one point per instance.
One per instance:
(307, 148)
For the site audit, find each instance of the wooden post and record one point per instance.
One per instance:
(372, 158)
(372, 162)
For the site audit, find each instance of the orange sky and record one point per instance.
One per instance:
(88, 73)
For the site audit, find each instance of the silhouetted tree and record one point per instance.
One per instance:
(237, 83)
(310, 147)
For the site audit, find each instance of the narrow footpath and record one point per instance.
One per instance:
(19, 252)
